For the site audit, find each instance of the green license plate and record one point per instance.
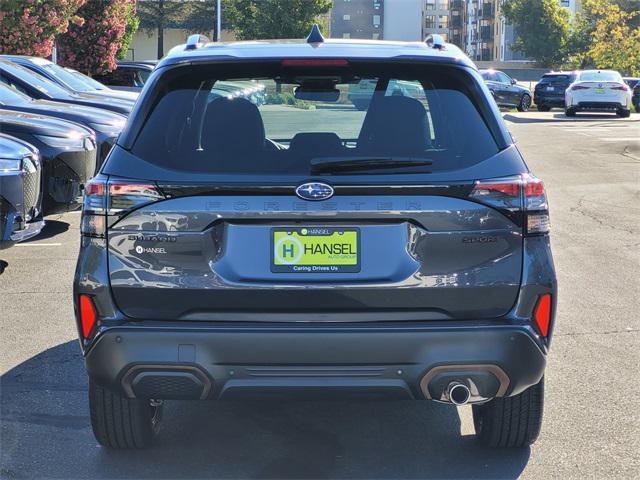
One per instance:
(599, 90)
(315, 250)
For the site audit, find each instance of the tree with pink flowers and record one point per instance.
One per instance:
(29, 27)
(92, 47)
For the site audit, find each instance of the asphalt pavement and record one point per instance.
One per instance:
(591, 168)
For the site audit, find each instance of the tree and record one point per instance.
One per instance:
(29, 27)
(133, 22)
(263, 19)
(92, 46)
(543, 29)
(192, 16)
(606, 35)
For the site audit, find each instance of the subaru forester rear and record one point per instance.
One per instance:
(302, 247)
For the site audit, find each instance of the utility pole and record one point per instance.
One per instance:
(218, 20)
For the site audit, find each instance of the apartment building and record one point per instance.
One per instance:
(357, 19)
(403, 20)
(436, 18)
(478, 28)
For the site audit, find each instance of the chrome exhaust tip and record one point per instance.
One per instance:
(458, 393)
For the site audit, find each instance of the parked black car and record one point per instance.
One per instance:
(506, 91)
(20, 191)
(106, 124)
(41, 88)
(549, 92)
(67, 152)
(66, 79)
(130, 76)
(634, 84)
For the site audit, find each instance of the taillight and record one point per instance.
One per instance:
(579, 87)
(523, 193)
(88, 315)
(542, 314)
(622, 87)
(93, 222)
(103, 200)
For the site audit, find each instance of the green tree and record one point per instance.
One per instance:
(606, 34)
(197, 16)
(265, 19)
(133, 22)
(543, 29)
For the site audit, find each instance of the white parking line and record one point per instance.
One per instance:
(38, 244)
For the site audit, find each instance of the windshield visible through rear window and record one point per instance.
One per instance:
(600, 77)
(279, 119)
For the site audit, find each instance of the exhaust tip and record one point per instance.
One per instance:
(458, 393)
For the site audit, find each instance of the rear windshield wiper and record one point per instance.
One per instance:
(348, 164)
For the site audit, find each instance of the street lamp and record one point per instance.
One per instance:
(218, 19)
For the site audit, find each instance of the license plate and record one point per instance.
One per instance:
(315, 250)
(599, 90)
(550, 89)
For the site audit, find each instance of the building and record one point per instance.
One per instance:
(436, 17)
(477, 27)
(357, 19)
(403, 20)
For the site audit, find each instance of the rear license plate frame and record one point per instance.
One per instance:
(305, 234)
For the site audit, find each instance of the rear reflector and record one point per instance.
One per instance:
(315, 62)
(542, 314)
(87, 315)
(538, 222)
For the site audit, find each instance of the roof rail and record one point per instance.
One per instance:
(196, 41)
(315, 36)
(435, 41)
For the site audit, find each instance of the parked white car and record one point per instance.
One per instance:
(598, 91)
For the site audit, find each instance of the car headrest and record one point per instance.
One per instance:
(314, 144)
(394, 125)
(232, 126)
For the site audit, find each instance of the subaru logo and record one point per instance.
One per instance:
(314, 191)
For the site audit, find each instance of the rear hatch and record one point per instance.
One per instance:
(554, 84)
(309, 209)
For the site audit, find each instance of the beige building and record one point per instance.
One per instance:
(144, 46)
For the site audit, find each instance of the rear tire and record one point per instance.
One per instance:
(122, 423)
(543, 108)
(511, 421)
(624, 113)
(570, 112)
(525, 103)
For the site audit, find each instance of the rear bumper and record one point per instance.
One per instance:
(548, 100)
(165, 361)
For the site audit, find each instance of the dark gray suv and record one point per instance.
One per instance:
(305, 248)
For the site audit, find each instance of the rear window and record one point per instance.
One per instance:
(557, 78)
(600, 77)
(282, 119)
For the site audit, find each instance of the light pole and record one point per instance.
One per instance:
(218, 20)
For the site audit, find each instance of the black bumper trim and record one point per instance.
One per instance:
(255, 362)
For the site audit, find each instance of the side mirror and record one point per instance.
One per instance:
(513, 81)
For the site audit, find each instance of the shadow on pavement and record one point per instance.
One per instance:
(51, 229)
(46, 433)
(560, 117)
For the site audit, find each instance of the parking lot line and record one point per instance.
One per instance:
(38, 244)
